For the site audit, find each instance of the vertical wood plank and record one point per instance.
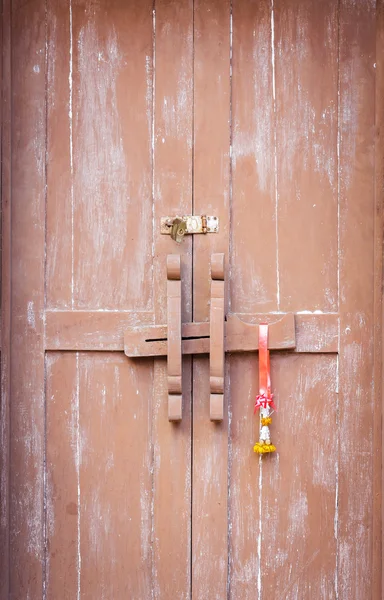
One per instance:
(112, 171)
(377, 507)
(245, 479)
(253, 218)
(115, 476)
(6, 264)
(305, 57)
(211, 196)
(59, 154)
(253, 272)
(27, 296)
(172, 195)
(63, 566)
(297, 541)
(357, 209)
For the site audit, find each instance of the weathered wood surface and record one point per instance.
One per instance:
(211, 171)
(116, 331)
(267, 115)
(354, 515)
(6, 299)
(26, 355)
(174, 351)
(172, 193)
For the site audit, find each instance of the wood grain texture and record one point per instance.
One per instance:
(90, 330)
(211, 196)
(172, 187)
(28, 136)
(112, 154)
(305, 54)
(115, 477)
(300, 333)
(254, 284)
(378, 558)
(63, 560)
(377, 505)
(216, 337)
(298, 545)
(357, 209)
(60, 167)
(98, 478)
(6, 264)
(253, 208)
(174, 353)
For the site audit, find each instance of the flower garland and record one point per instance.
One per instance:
(264, 400)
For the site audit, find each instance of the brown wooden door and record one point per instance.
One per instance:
(265, 114)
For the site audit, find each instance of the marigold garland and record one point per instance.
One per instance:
(264, 399)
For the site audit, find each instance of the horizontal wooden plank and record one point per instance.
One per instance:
(104, 330)
(239, 337)
(90, 330)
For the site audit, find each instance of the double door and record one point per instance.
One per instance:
(261, 114)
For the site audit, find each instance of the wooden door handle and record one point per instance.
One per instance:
(174, 360)
(216, 365)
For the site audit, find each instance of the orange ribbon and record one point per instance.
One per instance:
(265, 397)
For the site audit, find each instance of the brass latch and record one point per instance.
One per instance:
(178, 227)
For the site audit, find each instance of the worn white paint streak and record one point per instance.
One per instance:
(77, 459)
(153, 149)
(70, 116)
(259, 539)
(31, 315)
(275, 153)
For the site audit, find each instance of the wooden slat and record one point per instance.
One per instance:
(174, 352)
(298, 545)
(378, 480)
(27, 295)
(308, 333)
(118, 331)
(112, 163)
(63, 477)
(216, 338)
(172, 188)
(90, 330)
(253, 285)
(306, 153)
(115, 477)
(6, 263)
(60, 118)
(357, 213)
(211, 196)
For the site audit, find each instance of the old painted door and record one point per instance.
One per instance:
(261, 113)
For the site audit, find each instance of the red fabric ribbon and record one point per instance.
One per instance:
(264, 397)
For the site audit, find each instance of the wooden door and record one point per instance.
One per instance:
(265, 114)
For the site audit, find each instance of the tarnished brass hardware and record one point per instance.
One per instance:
(191, 223)
(178, 229)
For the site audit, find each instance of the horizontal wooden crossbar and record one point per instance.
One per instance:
(105, 331)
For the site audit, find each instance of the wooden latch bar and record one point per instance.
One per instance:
(216, 332)
(174, 337)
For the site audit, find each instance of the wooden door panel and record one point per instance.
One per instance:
(282, 511)
(99, 475)
(99, 129)
(264, 114)
(211, 177)
(358, 388)
(253, 202)
(306, 107)
(172, 192)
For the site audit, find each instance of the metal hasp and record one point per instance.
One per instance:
(178, 226)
